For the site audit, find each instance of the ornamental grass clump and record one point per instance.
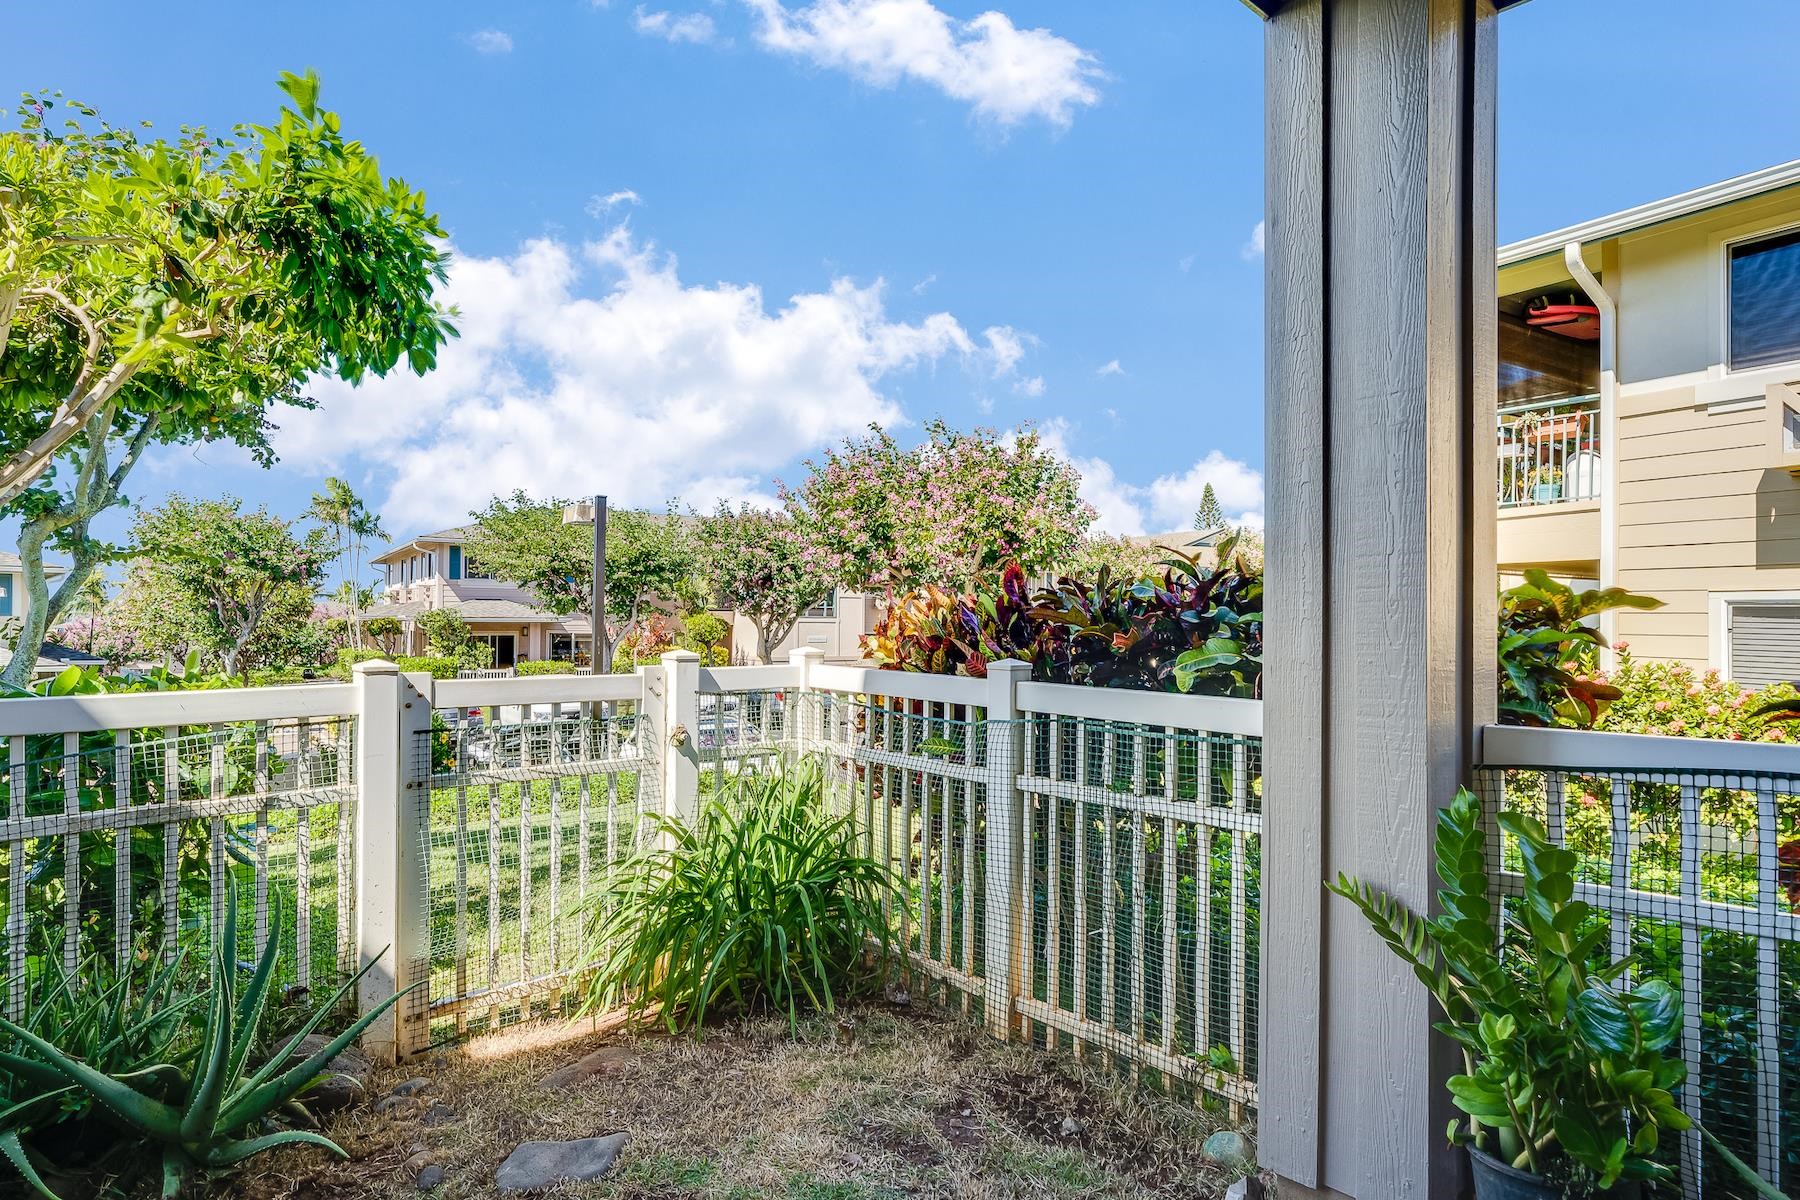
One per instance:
(764, 903)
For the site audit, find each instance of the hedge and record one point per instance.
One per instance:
(545, 667)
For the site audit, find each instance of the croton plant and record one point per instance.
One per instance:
(1191, 627)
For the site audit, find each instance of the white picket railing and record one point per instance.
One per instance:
(1680, 844)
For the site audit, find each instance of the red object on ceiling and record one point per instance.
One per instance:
(1578, 321)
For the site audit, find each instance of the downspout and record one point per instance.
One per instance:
(1609, 436)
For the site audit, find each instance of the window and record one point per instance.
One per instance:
(1764, 643)
(1763, 301)
(824, 610)
(472, 569)
(566, 647)
(456, 563)
(7, 584)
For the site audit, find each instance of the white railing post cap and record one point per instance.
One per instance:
(680, 656)
(375, 666)
(799, 653)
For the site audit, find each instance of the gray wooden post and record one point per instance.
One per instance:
(393, 717)
(1380, 457)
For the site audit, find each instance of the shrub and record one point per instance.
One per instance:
(1674, 700)
(766, 902)
(546, 667)
(435, 665)
(347, 660)
(704, 634)
(1548, 675)
(1190, 628)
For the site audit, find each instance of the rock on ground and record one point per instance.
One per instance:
(537, 1165)
(1226, 1146)
(604, 1061)
(345, 1077)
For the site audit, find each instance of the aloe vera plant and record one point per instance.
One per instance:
(210, 1112)
(98, 1016)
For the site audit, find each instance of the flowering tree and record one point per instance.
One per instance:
(231, 581)
(165, 292)
(947, 512)
(765, 565)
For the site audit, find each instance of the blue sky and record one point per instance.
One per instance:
(698, 239)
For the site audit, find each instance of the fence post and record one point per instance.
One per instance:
(807, 728)
(1006, 857)
(680, 734)
(393, 793)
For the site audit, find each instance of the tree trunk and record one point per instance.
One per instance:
(43, 607)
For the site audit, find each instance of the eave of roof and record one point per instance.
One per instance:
(1670, 208)
(1268, 8)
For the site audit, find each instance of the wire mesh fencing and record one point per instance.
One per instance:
(122, 846)
(1115, 868)
(1695, 873)
(740, 731)
(529, 811)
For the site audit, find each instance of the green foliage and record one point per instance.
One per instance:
(236, 585)
(115, 1024)
(703, 633)
(208, 1113)
(547, 666)
(945, 513)
(1209, 516)
(435, 665)
(524, 541)
(177, 291)
(347, 659)
(766, 566)
(1546, 652)
(352, 526)
(766, 901)
(1566, 1073)
(383, 631)
(1191, 628)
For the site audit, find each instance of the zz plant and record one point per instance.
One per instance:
(1566, 1071)
(211, 1109)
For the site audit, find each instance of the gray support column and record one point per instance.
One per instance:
(1381, 374)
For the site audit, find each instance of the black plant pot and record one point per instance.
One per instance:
(1495, 1180)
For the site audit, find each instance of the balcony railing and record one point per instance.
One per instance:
(1549, 452)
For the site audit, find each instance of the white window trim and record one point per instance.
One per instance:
(1723, 245)
(1718, 616)
(836, 601)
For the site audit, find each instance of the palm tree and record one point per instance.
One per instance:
(353, 525)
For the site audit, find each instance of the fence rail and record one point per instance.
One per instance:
(1687, 850)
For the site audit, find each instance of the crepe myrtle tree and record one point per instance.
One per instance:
(765, 565)
(952, 510)
(649, 558)
(168, 291)
(238, 579)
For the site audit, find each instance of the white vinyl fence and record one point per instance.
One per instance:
(1689, 850)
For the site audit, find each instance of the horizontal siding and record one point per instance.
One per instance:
(1700, 439)
(1742, 481)
(1739, 530)
(1764, 505)
(1677, 420)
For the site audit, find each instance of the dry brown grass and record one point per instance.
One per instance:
(882, 1104)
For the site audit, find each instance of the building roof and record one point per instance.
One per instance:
(1268, 8)
(12, 562)
(1670, 208)
(399, 550)
(471, 610)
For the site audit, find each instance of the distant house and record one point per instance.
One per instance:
(15, 603)
(434, 571)
(1653, 442)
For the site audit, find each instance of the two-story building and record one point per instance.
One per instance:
(434, 571)
(1649, 418)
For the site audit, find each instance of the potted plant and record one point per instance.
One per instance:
(1567, 1087)
(1546, 484)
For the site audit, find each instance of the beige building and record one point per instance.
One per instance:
(1649, 418)
(433, 571)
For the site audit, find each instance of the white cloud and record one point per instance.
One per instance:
(919, 288)
(596, 366)
(1006, 346)
(1168, 502)
(1185, 263)
(600, 206)
(674, 27)
(1007, 74)
(1254, 247)
(1111, 368)
(490, 41)
(1032, 387)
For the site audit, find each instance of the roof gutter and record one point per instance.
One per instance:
(1609, 434)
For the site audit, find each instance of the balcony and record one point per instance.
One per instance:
(1549, 453)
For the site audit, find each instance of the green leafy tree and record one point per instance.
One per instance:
(447, 635)
(173, 291)
(948, 512)
(1209, 516)
(524, 541)
(765, 565)
(233, 578)
(353, 526)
